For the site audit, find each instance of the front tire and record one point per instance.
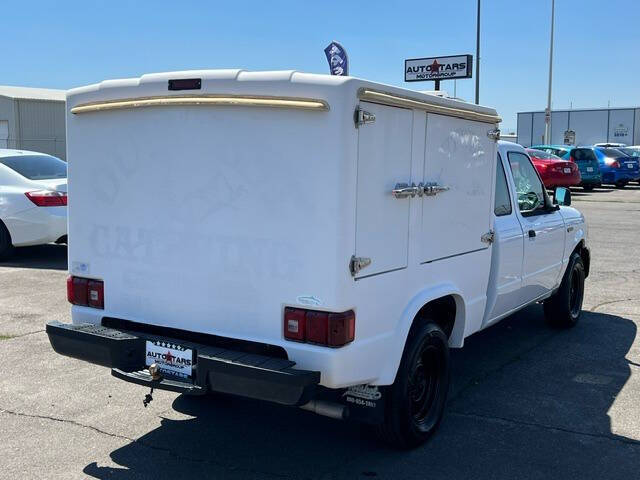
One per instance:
(415, 402)
(564, 307)
(587, 188)
(621, 184)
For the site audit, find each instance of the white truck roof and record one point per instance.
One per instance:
(260, 82)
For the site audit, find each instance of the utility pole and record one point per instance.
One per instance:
(478, 56)
(547, 113)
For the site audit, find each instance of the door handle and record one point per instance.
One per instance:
(429, 189)
(432, 188)
(532, 233)
(404, 190)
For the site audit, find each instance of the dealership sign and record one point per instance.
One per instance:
(438, 68)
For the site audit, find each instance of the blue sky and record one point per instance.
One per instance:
(597, 54)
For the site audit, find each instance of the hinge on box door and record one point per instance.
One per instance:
(362, 116)
(488, 237)
(494, 134)
(358, 263)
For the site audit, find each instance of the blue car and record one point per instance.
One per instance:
(583, 157)
(617, 168)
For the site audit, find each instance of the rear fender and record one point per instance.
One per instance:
(409, 314)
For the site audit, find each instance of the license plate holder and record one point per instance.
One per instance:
(171, 358)
(589, 169)
(566, 170)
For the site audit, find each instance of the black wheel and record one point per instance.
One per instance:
(5, 242)
(563, 309)
(416, 400)
(621, 184)
(587, 188)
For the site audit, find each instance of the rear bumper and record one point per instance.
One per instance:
(215, 369)
(615, 176)
(561, 180)
(37, 225)
(590, 179)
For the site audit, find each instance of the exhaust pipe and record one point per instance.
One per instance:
(327, 409)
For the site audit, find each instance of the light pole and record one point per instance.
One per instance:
(547, 112)
(478, 56)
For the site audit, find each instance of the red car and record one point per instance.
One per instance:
(554, 171)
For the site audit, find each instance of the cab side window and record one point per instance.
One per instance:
(502, 205)
(529, 188)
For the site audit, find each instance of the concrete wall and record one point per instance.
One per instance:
(620, 125)
(37, 125)
(8, 114)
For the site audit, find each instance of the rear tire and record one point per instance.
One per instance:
(564, 307)
(621, 184)
(6, 247)
(587, 188)
(415, 402)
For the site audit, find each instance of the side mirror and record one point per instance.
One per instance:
(562, 196)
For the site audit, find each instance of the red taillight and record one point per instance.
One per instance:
(85, 292)
(47, 198)
(95, 293)
(321, 328)
(342, 328)
(294, 324)
(77, 290)
(317, 327)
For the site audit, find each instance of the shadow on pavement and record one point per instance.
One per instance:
(527, 401)
(50, 257)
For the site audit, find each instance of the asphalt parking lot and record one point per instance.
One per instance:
(527, 401)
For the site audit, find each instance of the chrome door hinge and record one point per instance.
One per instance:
(362, 117)
(488, 237)
(358, 263)
(494, 134)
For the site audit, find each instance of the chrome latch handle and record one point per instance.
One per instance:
(404, 190)
(431, 189)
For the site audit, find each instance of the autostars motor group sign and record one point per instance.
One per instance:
(438, 68)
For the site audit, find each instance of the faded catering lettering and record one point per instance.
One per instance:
(168, 358)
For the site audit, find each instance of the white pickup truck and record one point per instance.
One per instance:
(310, 240)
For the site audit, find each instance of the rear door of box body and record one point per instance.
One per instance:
(458, 155)
(384, 159)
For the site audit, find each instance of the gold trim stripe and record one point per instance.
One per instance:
(203, 100)
(392, 99)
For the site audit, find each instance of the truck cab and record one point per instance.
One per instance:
(534, 238)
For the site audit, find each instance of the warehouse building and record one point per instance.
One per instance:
(619, 125)
(33, 119)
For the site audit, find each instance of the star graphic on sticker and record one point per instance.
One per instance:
(435, 67)
(168, 357)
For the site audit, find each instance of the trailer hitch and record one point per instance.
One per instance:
(154, 371)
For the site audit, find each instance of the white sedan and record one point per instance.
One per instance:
(33, 199)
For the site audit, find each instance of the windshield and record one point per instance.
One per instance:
(36, 167)
(539, 154)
